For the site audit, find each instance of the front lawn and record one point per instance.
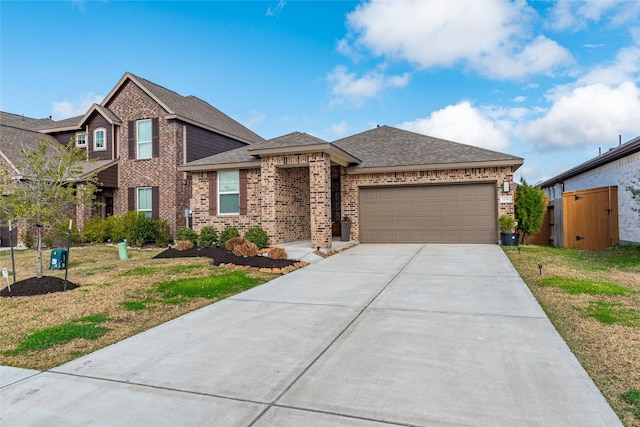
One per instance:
(593, 300)
(116, 299)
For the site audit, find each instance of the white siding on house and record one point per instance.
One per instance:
(619, 172)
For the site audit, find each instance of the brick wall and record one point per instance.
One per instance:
(350, 185)
(201, 215)
(131, 103)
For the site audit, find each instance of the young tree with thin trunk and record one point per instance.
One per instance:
(529, 208)
(47, 192)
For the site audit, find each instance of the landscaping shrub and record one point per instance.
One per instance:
(208, 237)
(61, 235)
(47, 239)
(96, 230)
(27, 238)
(228, 234)
(187, 234)
(144, 230)
(277, 253)
(231, 244)
(121, 226)
(246, 248)
(257, 236)
(162, 233)
(183, 245)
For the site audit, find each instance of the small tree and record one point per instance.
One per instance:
(46, 194)
(529, 208)
(634, 189)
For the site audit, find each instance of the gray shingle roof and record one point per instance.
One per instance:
(22, 122)
(386, 146)
(13, 140)
(239, 155)
(293, 139)
(626, 149)
(200, 112)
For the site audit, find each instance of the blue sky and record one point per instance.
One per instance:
(548, 81)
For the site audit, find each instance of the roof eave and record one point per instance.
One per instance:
(338, 155)
(219, 166)
(515, 163)
(62, 129)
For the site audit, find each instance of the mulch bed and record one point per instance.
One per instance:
(35, 286)
(223, 256)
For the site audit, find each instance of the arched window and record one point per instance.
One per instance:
(100, 139)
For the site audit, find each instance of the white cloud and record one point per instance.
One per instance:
(492, 37)
(519, 99)
(347, 86)
(277, 9)
(66, 109)
(255, 118)
(339, 129)
(462, 123)
(577, 15)
(590, 114)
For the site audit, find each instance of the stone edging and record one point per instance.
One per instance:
(284, 270)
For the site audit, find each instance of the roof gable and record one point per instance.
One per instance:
(189, 109)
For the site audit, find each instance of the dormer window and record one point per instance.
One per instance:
(81, 140)
(99, 139)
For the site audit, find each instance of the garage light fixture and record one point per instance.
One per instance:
(505, 186)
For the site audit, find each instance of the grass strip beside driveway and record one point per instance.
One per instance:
(593, 300)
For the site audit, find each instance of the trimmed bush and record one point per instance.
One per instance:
(183, 245)
(187, 234)
(257, 236)
(228, 234)
(144, 230)
(208, 237)
(96, 230)
(162, 233)
(277, 253)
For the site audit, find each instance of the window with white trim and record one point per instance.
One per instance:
(143, 139)
(99, 139)
(229, 192)
(144, 204)
(81, 140)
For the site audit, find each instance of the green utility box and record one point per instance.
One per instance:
(123, 253)
(58, 260)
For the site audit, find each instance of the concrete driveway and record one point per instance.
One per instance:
(377, 335)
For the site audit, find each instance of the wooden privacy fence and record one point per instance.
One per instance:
(590, 218)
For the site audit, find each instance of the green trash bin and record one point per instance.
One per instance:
(123, 253)
(58, 259)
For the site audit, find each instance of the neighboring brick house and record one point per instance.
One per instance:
(394, 185)
(615, 169)
(137, 136)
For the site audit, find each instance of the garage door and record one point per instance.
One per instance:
(464, 213)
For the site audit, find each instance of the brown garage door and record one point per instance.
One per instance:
(457, 213)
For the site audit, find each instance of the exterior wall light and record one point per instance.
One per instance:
(505, 186)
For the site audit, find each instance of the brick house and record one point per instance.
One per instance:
(608, 173)
(137, 137)
(394, 185)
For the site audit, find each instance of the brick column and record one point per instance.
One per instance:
(268, 208)
(320, 200)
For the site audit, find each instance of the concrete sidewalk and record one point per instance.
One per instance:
(376, 335)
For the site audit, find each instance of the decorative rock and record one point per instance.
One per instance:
(276, 271)
(265, 270)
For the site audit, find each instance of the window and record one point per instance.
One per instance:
(229, 192)
(99, 138)
(143, 139)
(144, 201)
(81, 140)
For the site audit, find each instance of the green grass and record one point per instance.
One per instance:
(632, 397)
(42, 339)
(623, 257)
(612, 312)
(579, 286)
(212, 287)
(133, 305)
(140, 271)
(182, 269)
